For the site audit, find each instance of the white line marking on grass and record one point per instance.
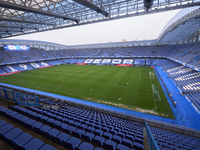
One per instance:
(140, 76)
(152, 90)
(120, 78)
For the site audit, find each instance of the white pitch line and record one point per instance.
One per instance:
(152, 93)
(120, 78)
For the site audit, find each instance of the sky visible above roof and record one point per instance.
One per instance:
(145, 27)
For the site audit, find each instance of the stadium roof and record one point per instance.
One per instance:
(20, 17)
(182, 29)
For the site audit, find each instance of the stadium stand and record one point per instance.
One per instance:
(68, 120)
(187, 79)
(176, 52)
(170, 140)
(15, 137)
(70, 61)
(79, 125)
(76, 127)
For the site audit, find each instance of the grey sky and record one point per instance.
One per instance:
(135, 28)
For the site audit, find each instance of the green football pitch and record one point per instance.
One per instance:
(135, 88)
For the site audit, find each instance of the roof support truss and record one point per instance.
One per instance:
(90, 5)
(20, 27)
(25, 21)
(33, 10)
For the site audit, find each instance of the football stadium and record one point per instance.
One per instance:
(125, 95)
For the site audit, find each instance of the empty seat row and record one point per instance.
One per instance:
(46, 131)
(87, 134)
(18, 139)
(87, 124)
(171, 140)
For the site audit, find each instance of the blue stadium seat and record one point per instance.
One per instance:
(78, 133)
(21, 140)
(98, 140)
(117, 138)
(16, 117)
(87, 136)
(44, 119)
(11, 107)
(52, 132)
(97, 148)
(29, 124)
(28, 112)
(64, 126)
(98, 127)
(48, 147)
(122, 147)
(117, 129)
(7, 112)
(33, 115)
(12, 114)
(4, 129)
(33, 144)
(50, 121)
(65, 120)
(2, 110)
(107, 135)
(130, 137)
(76, 124)
(70, 129)
(70, 122)
(127, 142)
(39, 117)
(164, 145)
(138, 146)
(12, 134)
(60, 138)
(121, 134)
(83, 126)
(85, 146)
(59, 118)
(37, 126)
(105, 129)
(98, 132)
(113, 132)
(50, 115)
(110, 127)
(138, 140)
(72, 143)
(57, 124)
(2, 122)
(139, 135)
(22, 120)
(131, 133)
(90, 129)
(44, 130)
(109, 144)
(124, 131)
(91, 124)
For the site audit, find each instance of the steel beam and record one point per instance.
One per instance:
(20, 27)
(25, 21)
(33, 10)
(10, 31)
(92, 6)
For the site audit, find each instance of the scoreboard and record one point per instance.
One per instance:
(16, 47)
